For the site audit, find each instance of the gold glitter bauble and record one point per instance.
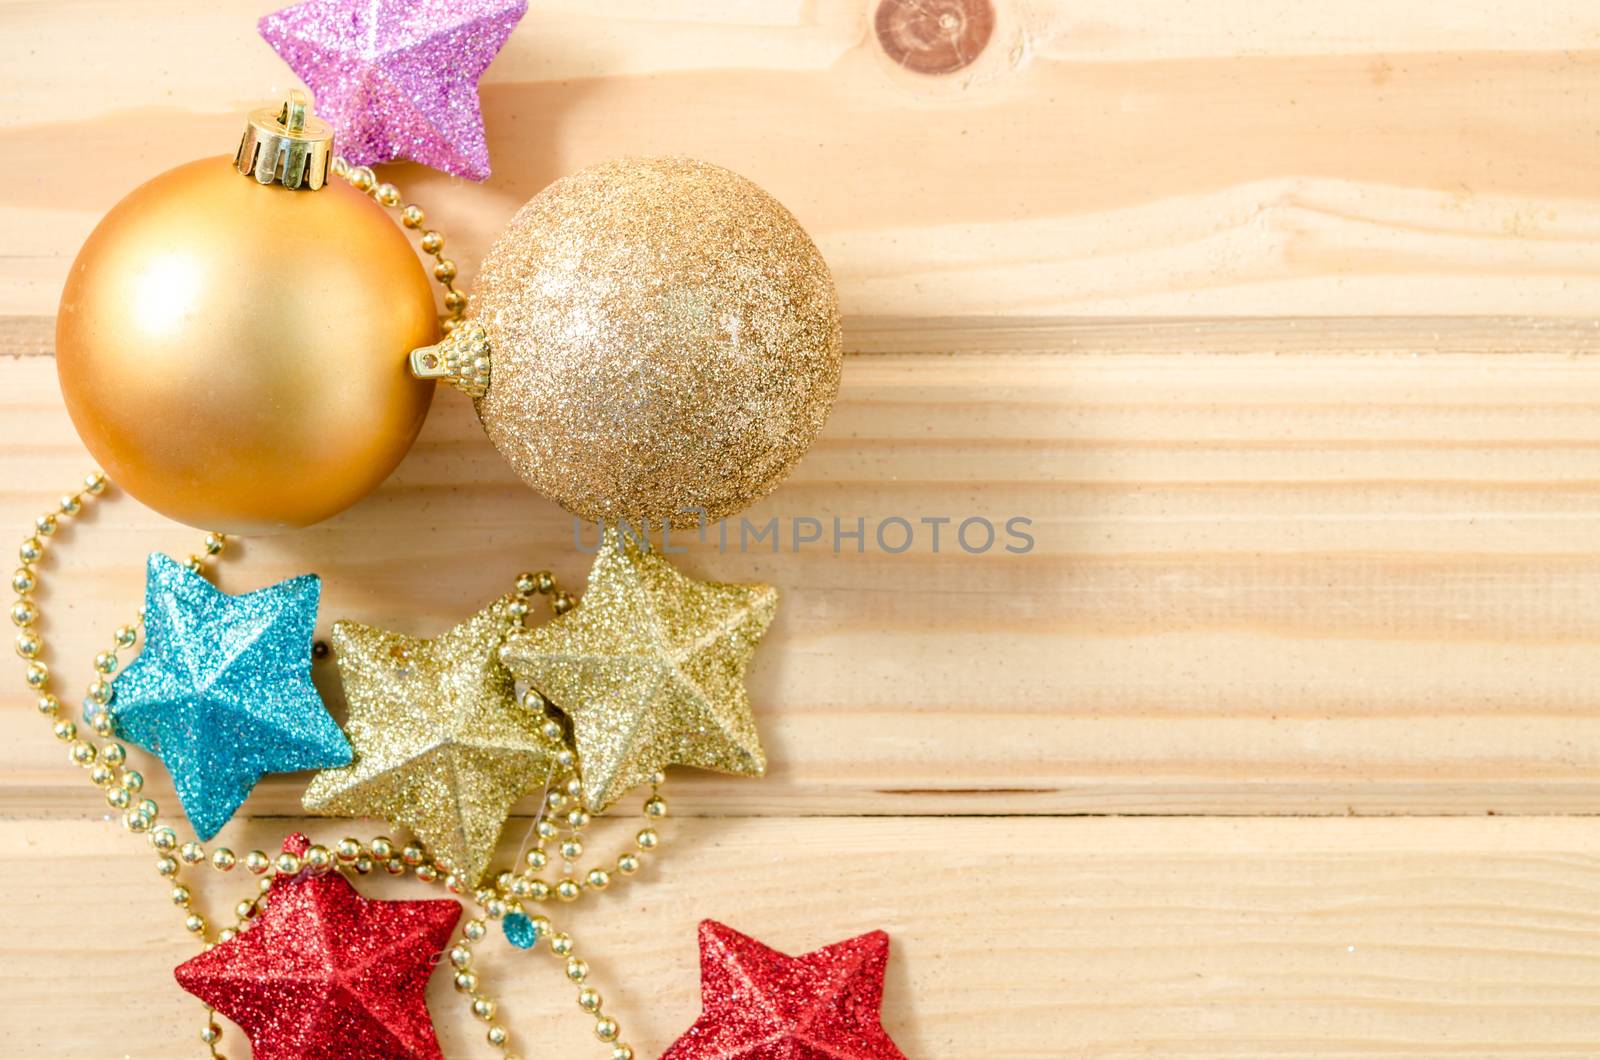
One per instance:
(650, 669)
(234, 354)
(665, 338)
(441, 743)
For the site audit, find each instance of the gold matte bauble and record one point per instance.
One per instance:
(664, 340)
(234, 353)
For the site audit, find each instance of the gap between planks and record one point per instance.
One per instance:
(33, 336)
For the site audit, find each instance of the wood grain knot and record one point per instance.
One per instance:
(934, 36)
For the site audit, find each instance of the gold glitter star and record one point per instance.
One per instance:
(650, 668)
(442, 746)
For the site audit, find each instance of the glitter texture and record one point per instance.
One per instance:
(650, 669)
(665, 340)
(520, 930)
(222, 690)
(326, 973)
(757, 1002)
(442, 745)
(398, 78)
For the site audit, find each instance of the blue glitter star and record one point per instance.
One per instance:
(222, 691)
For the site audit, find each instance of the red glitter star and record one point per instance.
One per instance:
(759, 1004)
(325, 973)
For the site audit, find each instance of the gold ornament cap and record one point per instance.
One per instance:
(288, 145)
(462, 360)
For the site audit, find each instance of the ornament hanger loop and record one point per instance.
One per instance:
(295, 109)
(286, 145)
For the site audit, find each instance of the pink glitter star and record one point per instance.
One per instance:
(398, 78)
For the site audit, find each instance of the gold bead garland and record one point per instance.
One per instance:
(364, 180)
(108, 769)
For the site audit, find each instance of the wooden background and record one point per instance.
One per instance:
(1279, 322)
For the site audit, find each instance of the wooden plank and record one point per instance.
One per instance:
(1031, 939)
(1432, 157)
(1276, 321)
(1262, 583)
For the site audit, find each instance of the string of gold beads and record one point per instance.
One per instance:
(364, 180)
(560, 946)
(352, 855)
(528, 883)
(106, 766)
(542, 583)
